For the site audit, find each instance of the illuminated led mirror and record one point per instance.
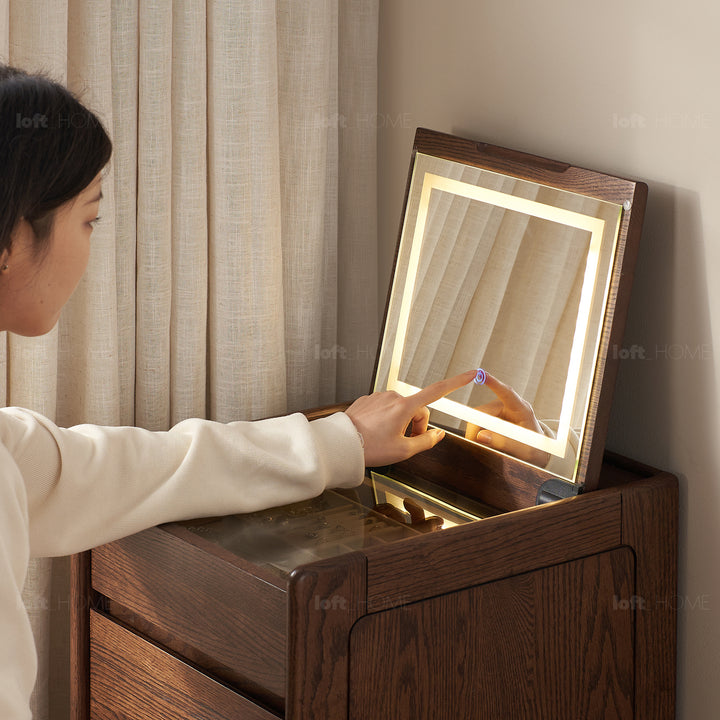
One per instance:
(506, 274)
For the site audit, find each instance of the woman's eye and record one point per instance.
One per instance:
(94, 222)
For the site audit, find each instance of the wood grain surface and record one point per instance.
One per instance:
(325, 600)
(650, 527)
(551, 644)
(131, 679)
(493, 548)
(227, 614)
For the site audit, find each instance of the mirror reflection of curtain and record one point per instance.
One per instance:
(233, 274)
(498, 289)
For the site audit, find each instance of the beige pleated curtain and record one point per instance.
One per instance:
(233, 272)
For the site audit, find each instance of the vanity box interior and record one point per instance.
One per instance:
(465, 582)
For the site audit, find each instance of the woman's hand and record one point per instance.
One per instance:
(511, 407)
(382, 419)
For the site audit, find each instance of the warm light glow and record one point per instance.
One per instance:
(593, 225)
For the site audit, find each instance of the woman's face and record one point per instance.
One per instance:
(35, 286)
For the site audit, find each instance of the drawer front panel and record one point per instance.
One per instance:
(543, 535)
(235, 621)
(131, 679)
(556, 644)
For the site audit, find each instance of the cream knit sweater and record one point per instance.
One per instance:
(66, 490)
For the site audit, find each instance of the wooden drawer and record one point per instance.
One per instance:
(198, 601)
(132, 679)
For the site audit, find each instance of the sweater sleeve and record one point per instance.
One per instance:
(88, 485)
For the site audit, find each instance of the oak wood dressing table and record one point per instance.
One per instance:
(548, 592)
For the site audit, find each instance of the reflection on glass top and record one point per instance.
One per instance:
(380, 511)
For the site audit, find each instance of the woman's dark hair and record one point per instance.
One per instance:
(51, 149)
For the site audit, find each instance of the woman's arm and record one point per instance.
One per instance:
(88, 485)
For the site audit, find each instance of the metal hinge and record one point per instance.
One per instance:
(557, 489)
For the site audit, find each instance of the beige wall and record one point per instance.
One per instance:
(629, 88)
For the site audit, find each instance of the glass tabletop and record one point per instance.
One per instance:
(379, 511)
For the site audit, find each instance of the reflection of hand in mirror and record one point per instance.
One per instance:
(511, 407)
(418, 521)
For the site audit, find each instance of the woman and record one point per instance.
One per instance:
(65, 490)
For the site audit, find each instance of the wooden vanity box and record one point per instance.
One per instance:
(543, 595)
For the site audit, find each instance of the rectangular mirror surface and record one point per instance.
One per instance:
(512, 276)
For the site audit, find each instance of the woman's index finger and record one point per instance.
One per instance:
(441, 388)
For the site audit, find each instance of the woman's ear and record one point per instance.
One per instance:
(21, 237)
